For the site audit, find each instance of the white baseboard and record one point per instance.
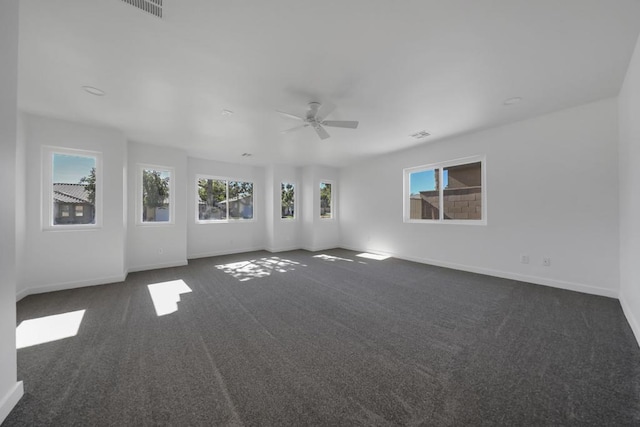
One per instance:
(282, 249)
(633, 321)
(157, 266)
(224, 252)
(318, 248)
(10, 400)
(560, 284)
(52, 287)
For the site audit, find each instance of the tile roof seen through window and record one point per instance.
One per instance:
(70, 193)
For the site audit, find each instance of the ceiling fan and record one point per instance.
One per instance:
(315, 118)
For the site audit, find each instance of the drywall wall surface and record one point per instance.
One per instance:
(10, 389)
(283, 233)
(156, 245)
(67, 258)
(629, 181)
(269, 207)
(216, 238)
(21, 202)
(551, 186)
(319, 233)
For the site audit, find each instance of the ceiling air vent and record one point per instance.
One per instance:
(421, 134)
(153, 7)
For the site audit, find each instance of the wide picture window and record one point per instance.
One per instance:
(447, 192)
(222, 200)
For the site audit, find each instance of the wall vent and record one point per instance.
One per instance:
(153, 7)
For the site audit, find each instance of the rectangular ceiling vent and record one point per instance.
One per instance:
(153, 7)
(421, 134)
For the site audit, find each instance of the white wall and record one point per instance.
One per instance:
(629, 151)
(551, 186)
(283, 234)
(159, 245)
(10, 389)
(64, 259)
(223, 238)
(319, 233)
(21, 204)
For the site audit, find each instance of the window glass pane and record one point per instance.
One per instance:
(155, 195)
(325, 200)
(463, 192)
(212, 203)
(288, 200)
(424, 194)
(240, 200)
(74, 187)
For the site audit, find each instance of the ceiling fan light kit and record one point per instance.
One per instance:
(315, 117)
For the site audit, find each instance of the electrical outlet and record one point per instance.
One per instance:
(160, 251)
(546, 261)
(524, 259)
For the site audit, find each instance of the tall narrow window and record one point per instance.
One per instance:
(221, 200)
(287, 200)
(326, 200)
(72, 184)
(212, 199)
(425, 194)
(156, 195)
(240, 200)
(448, 192)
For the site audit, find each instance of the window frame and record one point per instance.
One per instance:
(333, 199)
(141, 167)
(295, 201)
(441, 166)
(228, 219)
(48, 214)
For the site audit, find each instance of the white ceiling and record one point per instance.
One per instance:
(398, 67)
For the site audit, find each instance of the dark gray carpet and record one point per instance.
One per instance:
(317, 341)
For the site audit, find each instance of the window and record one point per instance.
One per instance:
(448, 192)
(221, 200)
(212, 199)
(326, 200)
(72, 188)
(156, 197)
(287, 200)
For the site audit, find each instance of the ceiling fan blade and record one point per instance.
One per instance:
(292, 116)
(321, 132)
(294, 128)
(324, 112)
(340, 124)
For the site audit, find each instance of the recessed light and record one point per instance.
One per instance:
(246, 154)
(511, 101)
(227, 113)
(93, 90)
(420, 135)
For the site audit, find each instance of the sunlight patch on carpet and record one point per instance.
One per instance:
(166, 295)
(377, 257)
(332, 258)
(257, 268)
(48, 328)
